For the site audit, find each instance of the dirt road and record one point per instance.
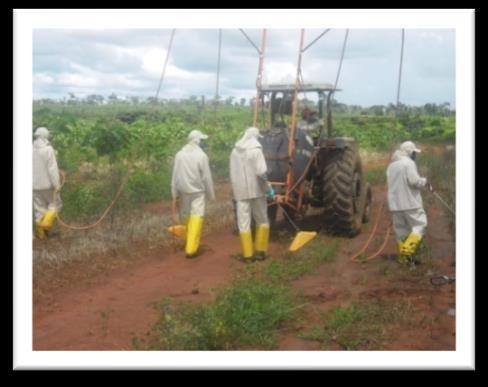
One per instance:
(113, 307)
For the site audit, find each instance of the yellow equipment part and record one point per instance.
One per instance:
(410, 245)
(48, 219)
(262, 238)
(179, 230)
(400, 251)
(193, 235)
(301, 239)
(246, 244)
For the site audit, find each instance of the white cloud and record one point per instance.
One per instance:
(76, 80)
(43, 79)
(131, 61)
(432, 36)
(153, 61)
(81, 69)
(279, 72)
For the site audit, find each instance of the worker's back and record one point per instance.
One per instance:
(403, 184)
(189, 169)
(44, 166)
(247, 163)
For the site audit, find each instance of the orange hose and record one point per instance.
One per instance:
(366, 245)
(105, 213)
(373, 231)
(381, 248)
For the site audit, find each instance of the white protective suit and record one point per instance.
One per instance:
(404, 199)
(45, 179)
(192, 183)
(248, 177)
(192, 180)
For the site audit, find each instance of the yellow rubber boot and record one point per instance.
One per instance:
(246, 244)
(40, 233)
(194, 231)
(411, 243)
(48, 220)
(262, 240)
(401, 257)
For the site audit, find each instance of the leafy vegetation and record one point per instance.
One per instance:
(360, 326)
(376, 176)
(245, 314)
(141, 139)
(305, 260)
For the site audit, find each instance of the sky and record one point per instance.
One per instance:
(128, 62)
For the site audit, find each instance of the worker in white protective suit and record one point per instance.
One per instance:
(248, 174)
(45, 183)
(405, 201)
(192, 184)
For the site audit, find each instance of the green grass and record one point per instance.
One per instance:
(360, 326)
(376, 176)
(384, 269)
(245, 314)
(421, 261)
(294, 265)
(83, 201)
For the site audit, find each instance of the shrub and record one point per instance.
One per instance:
(246, 313)
(144, 186)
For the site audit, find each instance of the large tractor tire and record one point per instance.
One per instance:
(344, 192)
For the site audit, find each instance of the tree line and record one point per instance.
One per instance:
(441, 109)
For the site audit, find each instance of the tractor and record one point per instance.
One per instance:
(315, 169)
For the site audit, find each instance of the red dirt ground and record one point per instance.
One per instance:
(344, 281)
(113, 307)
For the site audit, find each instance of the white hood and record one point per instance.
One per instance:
(247, 167)
(191, 172)
(404, 183)
(248, 143)
(249, 140)
(398, 154)
(45, 167)
(40, 143)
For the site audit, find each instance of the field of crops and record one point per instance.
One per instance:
(125, 286)
(99, 145)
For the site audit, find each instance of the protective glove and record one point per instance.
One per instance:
(270, 193)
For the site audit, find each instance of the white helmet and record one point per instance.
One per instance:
(409, 147)
(41, 133)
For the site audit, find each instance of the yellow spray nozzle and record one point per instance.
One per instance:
(178, 230)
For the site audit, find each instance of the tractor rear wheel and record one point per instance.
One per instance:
(343, 192)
